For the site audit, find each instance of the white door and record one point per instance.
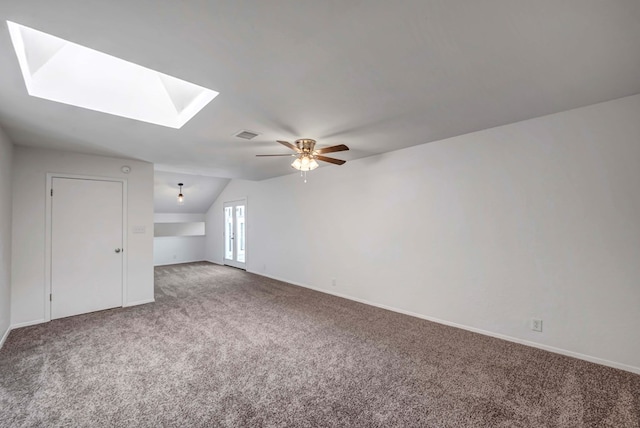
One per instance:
(86, 246)
(235, 237)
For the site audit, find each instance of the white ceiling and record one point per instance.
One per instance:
(375, 75)
(199, 192)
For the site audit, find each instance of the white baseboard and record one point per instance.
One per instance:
(553, 349)
(27, 323)
(179, 262)
(4, 336)
(193, 261)
(139, 302)
(40, 321)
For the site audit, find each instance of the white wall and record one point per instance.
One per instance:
(486, 230)
(6, 156)
(168, 250)
(28, 250)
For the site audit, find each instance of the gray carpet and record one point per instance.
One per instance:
(222, 347)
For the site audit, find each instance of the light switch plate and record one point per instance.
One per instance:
(139, 229)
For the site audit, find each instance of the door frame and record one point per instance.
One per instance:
(246, 231)
(48, 231)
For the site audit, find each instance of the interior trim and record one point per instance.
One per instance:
(553, 349)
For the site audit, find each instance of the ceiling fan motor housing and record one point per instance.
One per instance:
(306, 145)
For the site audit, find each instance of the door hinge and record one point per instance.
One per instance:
(51, 192)
(51, 297)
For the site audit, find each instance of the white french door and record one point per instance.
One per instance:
(235, 233)
(86, 246)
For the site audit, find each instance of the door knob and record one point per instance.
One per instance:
(118, 250)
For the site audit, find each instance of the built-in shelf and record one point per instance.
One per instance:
(179, 229)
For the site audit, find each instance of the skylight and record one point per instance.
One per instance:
(58, 70)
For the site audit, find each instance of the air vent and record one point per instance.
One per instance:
(246, 135)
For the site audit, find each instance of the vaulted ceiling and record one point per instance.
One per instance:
(375, 75)
(199, 192)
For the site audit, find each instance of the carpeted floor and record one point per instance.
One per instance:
(222, 347)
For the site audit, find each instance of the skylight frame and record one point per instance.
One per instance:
(66, 72)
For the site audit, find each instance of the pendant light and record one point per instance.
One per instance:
(180, 195)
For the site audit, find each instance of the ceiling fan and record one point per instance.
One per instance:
(307, 155)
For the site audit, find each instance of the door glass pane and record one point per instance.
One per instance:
(228, 233)
(240, 233)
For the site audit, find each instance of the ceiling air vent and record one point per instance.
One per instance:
(247, 135)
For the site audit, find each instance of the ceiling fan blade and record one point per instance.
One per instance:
(275, 155)
(338, 148)
(330, 160)
(291, 146)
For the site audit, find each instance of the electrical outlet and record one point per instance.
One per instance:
(333, 282)
(536, 324)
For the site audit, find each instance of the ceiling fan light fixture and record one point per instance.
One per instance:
(305, 163)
